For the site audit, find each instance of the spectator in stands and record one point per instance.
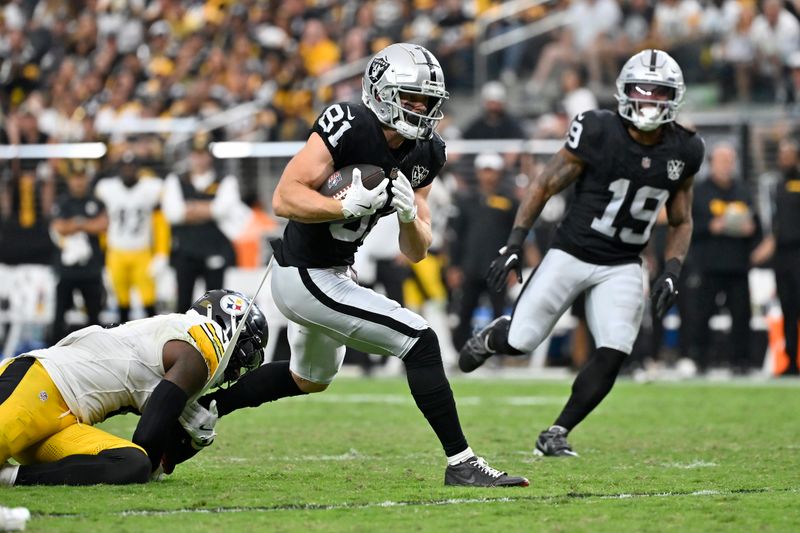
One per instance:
(676, 29)
(454, 43)
(611, 49)
(587, 22)
(724, 236)
(736, 52)
(206, 213)
(783, 246)
(494, 122)
(79, 218)
(775, 34)
(318, 51)
(577, 97)
(480, 217)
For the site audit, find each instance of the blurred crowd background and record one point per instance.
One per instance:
(158, 82)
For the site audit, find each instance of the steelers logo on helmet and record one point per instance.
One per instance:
(233, 305)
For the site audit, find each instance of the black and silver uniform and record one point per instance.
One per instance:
(353, 136)
(623, 186)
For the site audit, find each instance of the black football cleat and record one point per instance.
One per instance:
(475, 472)
(476, 350)
(553, 443)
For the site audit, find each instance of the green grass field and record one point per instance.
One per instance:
(360, 457)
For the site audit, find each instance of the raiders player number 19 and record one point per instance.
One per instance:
(626, 166)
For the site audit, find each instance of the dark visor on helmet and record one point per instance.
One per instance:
(649, 91)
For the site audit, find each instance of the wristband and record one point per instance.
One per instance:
(673, 266)
(517, 237)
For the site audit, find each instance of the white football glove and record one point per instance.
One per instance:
(403, 201)
(361, 201)
(199, 423)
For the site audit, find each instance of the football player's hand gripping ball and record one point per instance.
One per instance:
(199, 423)
(403, 199)
(510, 259)
(361, 201)
(665, 288)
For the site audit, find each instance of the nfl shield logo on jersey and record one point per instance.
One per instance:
(418, 175)
(645, 163)
(675, 169)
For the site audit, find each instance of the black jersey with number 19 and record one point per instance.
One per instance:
(623, 186)
(353, 136)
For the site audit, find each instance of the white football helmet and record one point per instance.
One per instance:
(650, 89)
(404, 68)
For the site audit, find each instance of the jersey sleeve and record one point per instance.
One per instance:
(208, 343)
(585, 137)
(695, 151)
(338, 125)
(438, 159)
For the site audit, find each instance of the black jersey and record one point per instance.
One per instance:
(623, 186)
(353, 136)
(87, 207)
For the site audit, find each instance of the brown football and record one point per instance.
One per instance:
(338, 183)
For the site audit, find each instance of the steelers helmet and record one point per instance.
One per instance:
(226, 308)
(399, 69)
(650, 89)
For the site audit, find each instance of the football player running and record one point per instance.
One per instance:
(312, 282)
(51, 398)
(626, 166)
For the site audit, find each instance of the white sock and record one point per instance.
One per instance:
(460, 457)
(559, 428)
(8, 474)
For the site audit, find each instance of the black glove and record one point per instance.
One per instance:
(510, 258)
(665, 288)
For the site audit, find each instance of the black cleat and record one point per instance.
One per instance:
(476, 351)
(474, 472)
(553, 443)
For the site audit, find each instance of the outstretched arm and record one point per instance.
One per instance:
(561, 171)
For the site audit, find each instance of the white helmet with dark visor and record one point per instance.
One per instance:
(650, 89)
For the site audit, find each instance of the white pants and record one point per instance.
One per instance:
(327, 310)
(614, 301)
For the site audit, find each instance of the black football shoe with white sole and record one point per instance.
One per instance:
(552, 442)
(475, 472)
(476, 350)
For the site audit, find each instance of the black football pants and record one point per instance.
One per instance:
(92, 291)
(736, 289)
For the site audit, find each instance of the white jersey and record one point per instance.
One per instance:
(130, 211)
(101, 372)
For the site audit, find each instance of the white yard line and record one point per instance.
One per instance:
(406, 399)
(435, 503)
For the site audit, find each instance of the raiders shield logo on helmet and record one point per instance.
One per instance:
(675, 168)
(377, 68)
(418, 175)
